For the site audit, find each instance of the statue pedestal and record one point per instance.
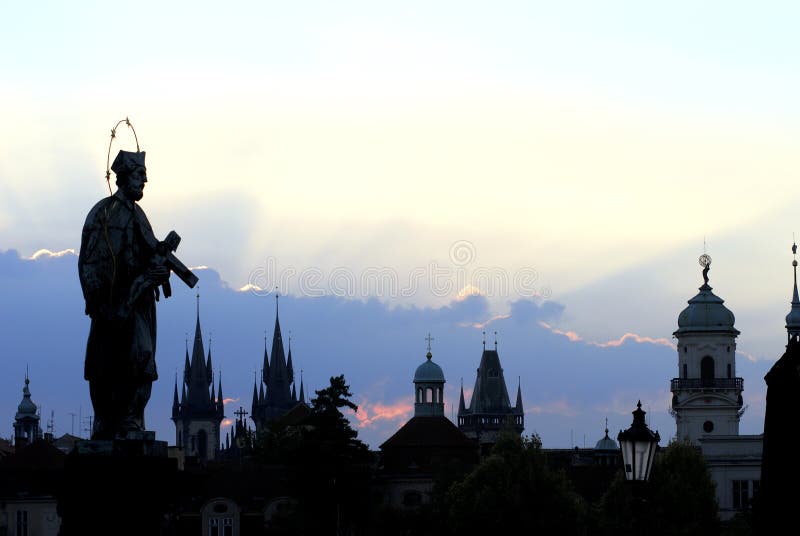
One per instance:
(123, 486)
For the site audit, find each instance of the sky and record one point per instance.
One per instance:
(547, 170)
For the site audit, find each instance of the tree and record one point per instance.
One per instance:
(513, 490)
(679, 500)
(330, 464)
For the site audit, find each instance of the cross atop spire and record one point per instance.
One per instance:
(484, 339)
(428, 339)
(495, 341)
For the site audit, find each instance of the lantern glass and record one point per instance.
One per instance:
(638, 444)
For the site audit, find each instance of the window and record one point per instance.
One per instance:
(213, 526)
(729, 370)
(741, 492)
(685, 371)
(707, 370)
(708, 427)
(202, 445)
(22, 523)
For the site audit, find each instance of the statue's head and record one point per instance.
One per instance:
(131, 173)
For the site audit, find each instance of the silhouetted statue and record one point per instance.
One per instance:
(121, 266)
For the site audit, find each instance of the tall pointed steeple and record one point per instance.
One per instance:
(277, 390)
(220, 400)
(265, 366)
(198, 415)
(198, 375)
(278, 387)
(255, 396)
(793, 318)
(187, 366)
(518, 406)
(289, 367)
(461, 405)
(302, 391)
(209, 369)
(175, 402)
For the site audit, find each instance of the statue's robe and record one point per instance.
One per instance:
(120, 351)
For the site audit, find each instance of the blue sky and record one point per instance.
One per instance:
(580, 152)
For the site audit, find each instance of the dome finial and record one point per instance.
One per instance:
(705, 262)
(429, 339)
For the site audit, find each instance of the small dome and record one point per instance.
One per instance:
(706, 313)
(429, 372)
(606, 443)
(26, 407)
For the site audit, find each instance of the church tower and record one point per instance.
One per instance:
(26, 421)
(276, 394)
(706, 395)
(490, 409)
(429, 388)
(199, 412)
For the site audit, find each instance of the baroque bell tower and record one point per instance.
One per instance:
(706, 395)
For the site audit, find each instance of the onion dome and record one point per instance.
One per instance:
(429, 371)
(26, 407)
(706, 312)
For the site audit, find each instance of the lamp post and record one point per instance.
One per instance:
(638, 444)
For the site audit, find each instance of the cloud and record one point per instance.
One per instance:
(481, 325)
(571, 335)
(526, 310)
(468, 290)
(370, 413)
(227, 401)
(635, 338)
(556, 407)
(47, 253)
(574, 337)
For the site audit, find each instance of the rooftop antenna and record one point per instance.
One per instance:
(72, 430)
(495, 341)
(484, 339)
(51, 424)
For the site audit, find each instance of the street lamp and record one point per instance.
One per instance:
(638, 444)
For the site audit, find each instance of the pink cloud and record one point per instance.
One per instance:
(226, 422)
(481, 325)
(571, 335)
(226, 401)
(370, 413)
(635, 338)
(749, 357)
(556, 407)
(574, 337)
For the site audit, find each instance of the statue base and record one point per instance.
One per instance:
(122, 486)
